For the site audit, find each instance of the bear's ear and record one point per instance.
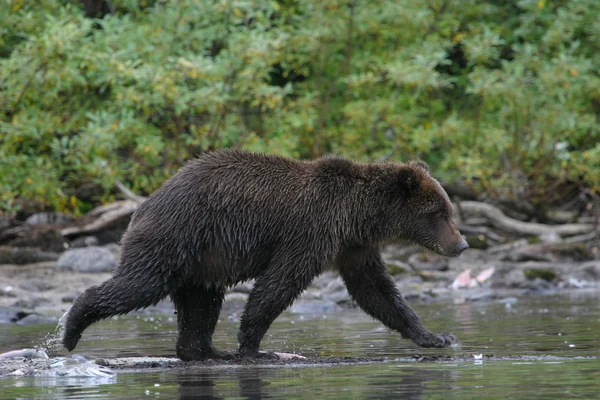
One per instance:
(419, 164)
(407, 179)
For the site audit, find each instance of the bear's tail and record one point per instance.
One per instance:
(117, 295)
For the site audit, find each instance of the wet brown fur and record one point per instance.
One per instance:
(230, 216)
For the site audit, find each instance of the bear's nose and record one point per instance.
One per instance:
(462, 246)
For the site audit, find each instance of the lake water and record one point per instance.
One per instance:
(544, 346)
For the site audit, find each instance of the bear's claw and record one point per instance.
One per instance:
(435, 340)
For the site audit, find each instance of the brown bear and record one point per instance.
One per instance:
(230, 216)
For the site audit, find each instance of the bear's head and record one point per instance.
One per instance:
(423, 211)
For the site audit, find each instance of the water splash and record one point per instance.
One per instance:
(52, 342)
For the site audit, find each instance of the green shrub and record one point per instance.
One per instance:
(503, 94)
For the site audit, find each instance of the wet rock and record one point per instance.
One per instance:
(323, 280)
(400, 251)
(513, 279)
(508, 247)
(244, 287)
(8, 315)
(25, 255)
(479, 295)
(84, 241)
(408, 281)
(542, 273)
(428, 261)
(396, 267)
(7, 291)
(236, 297)
(528, 254)
(34, 318)
(314, 307)
(550, 237)
(46, 218)
(37, 285)
(336, 292)
(592, 269)
(115, 249)
(572, 251)
(574, 283)
(45, 237)
(90, 259)
(69, 298)
(29, 303)
(537, 285)
(552, 253)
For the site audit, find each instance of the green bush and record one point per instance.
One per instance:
(504, 95)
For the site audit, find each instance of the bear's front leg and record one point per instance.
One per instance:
(370, 285)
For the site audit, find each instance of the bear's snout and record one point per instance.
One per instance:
(462, 246)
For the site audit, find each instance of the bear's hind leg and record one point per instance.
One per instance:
(198, 307)
(118, 295)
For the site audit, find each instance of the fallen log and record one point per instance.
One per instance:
(501, 221)
(116, 211)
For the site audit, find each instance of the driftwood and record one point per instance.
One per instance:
(111, 213)
(117, 210)
(501, 221)
(108, 214)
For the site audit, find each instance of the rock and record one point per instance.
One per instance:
(115, 249)
(7, 291)
(236, 297)
(46, 237)
(89, 259)
(592, 268)
(25, 255)
(8, 315)
(324, 279)
(30, 303)
(244, 287)
(545, 274)
(396, 267)
(314, 307)
(508, 247)
(428, 260)
(400, 251)
(35, 318)
(551, 253)
(84, 241)
(537, 284)
(550, 237)
(528, 254)
(69, 298)
(336, 291)
(480, 295)
(513, 279)
(478, 241)
(574, 283)
(37, 285)
(46, 218)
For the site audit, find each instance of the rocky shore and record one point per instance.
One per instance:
(38, 285)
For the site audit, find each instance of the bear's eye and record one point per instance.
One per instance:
(437, 214)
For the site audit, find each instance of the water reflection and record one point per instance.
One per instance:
(265, 383)
(533, 327)
(202, 385)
